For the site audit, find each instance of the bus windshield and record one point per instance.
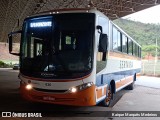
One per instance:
(58, 46)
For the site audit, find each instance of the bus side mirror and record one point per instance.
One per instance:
(10, 43)
(103, 43)
(100, 28)
(103, 40)
(10, 40)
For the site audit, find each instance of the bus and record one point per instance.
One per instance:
(75, 57)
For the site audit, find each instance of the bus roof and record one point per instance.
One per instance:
(65, 10)
(70, 10)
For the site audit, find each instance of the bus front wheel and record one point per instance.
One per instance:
(107, 101)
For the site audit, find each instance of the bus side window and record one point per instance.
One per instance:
(124, 44)
(116, 39)
(130, 47)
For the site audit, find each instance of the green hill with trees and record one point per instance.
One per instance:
(144, 34)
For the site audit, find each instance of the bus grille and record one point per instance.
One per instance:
(53, 91)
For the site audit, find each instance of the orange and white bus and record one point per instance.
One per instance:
(75, 57)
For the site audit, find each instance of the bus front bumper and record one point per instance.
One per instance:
(85, 97)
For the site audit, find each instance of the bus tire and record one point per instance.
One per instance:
(109, 98)
(131, 86)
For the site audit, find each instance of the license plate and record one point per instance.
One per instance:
(48, 98)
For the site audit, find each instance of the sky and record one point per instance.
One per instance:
(150, 15)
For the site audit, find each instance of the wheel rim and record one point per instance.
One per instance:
(108, 99)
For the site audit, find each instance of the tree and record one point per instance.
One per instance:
(150, 50)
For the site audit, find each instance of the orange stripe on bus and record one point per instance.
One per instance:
(138, 75)
(122, 56)
(99, 93)
(124, 82)
(105, 90)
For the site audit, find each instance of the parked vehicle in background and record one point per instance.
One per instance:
(16, 67)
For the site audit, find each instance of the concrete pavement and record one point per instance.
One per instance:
(140, 99)
(145, 97)
(147, 81)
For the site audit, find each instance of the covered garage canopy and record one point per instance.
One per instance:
(13, 12)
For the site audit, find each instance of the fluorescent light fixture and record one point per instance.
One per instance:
(41, 24)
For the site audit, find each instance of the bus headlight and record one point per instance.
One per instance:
(29, 87)
(80, 87)
(73, 89)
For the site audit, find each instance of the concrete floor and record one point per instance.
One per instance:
(153, 82)
(140, 99)
(145, 97)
